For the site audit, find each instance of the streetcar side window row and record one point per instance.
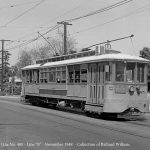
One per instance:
(118, 72)
(73, 73)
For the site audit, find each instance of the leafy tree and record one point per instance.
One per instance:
(5, 65)
(145, 53)
(6, 69)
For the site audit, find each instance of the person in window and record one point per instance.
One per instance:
(58, 80)
(77, 79)
(119, 77)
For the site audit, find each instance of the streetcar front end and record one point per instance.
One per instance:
(126, 94)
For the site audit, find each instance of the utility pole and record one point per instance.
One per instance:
(65, 35)
(2, 65)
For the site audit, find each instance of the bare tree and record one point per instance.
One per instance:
(25, 59)
(53, 46)
(49, 48)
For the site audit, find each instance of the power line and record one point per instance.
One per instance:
(34, 39)
(98, 11)
(51, 20)
(139, 10)
(23, 44)
(12, 20)
(40, 27)
(52, 28)
(46, 41)
(26, 3)
(101, 10)
(67, 12)
(17, 5)
(55, 27)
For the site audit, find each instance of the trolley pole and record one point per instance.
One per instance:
(65, 35)
(2, 65)
(131, 36)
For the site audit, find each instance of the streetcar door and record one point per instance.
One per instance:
(92, 88)
(100, 83)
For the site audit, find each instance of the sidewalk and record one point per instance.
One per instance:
(12, 97)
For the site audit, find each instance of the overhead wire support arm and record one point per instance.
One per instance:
(46, 40)
(108, 41)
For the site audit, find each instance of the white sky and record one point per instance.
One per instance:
(50, 12)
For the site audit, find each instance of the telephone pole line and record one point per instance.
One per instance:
(65, 35)
(2, 65)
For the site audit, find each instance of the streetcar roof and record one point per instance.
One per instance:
(104, 57)
(100, 58)
(35, 66)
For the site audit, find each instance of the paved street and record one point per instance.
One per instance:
(24, 127)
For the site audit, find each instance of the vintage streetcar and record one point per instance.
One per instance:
(105, 82)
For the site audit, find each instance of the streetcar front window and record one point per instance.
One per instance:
(130, 72)
(140, 72)
(120, 71)
(108, 72)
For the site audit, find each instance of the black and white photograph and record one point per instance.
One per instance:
(74, 74)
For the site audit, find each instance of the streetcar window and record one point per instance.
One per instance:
(58, 75)
(140, 72)
(84, 76)
(108, 72)
(52, 75)
(63, 78)
(130, 69)
(94, 74)
(120, 71)
(42, 75)
(77, 73)
(58, 78)
(35, 76)
(71, 74)
(27, 76)
(41, 80)
(31, 78)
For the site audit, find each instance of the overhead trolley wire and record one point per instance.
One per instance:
(101, 10)
(139, 10)
(67, 12)
(43, 28)
(89, 14)
(52, 28)
(23, 44)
